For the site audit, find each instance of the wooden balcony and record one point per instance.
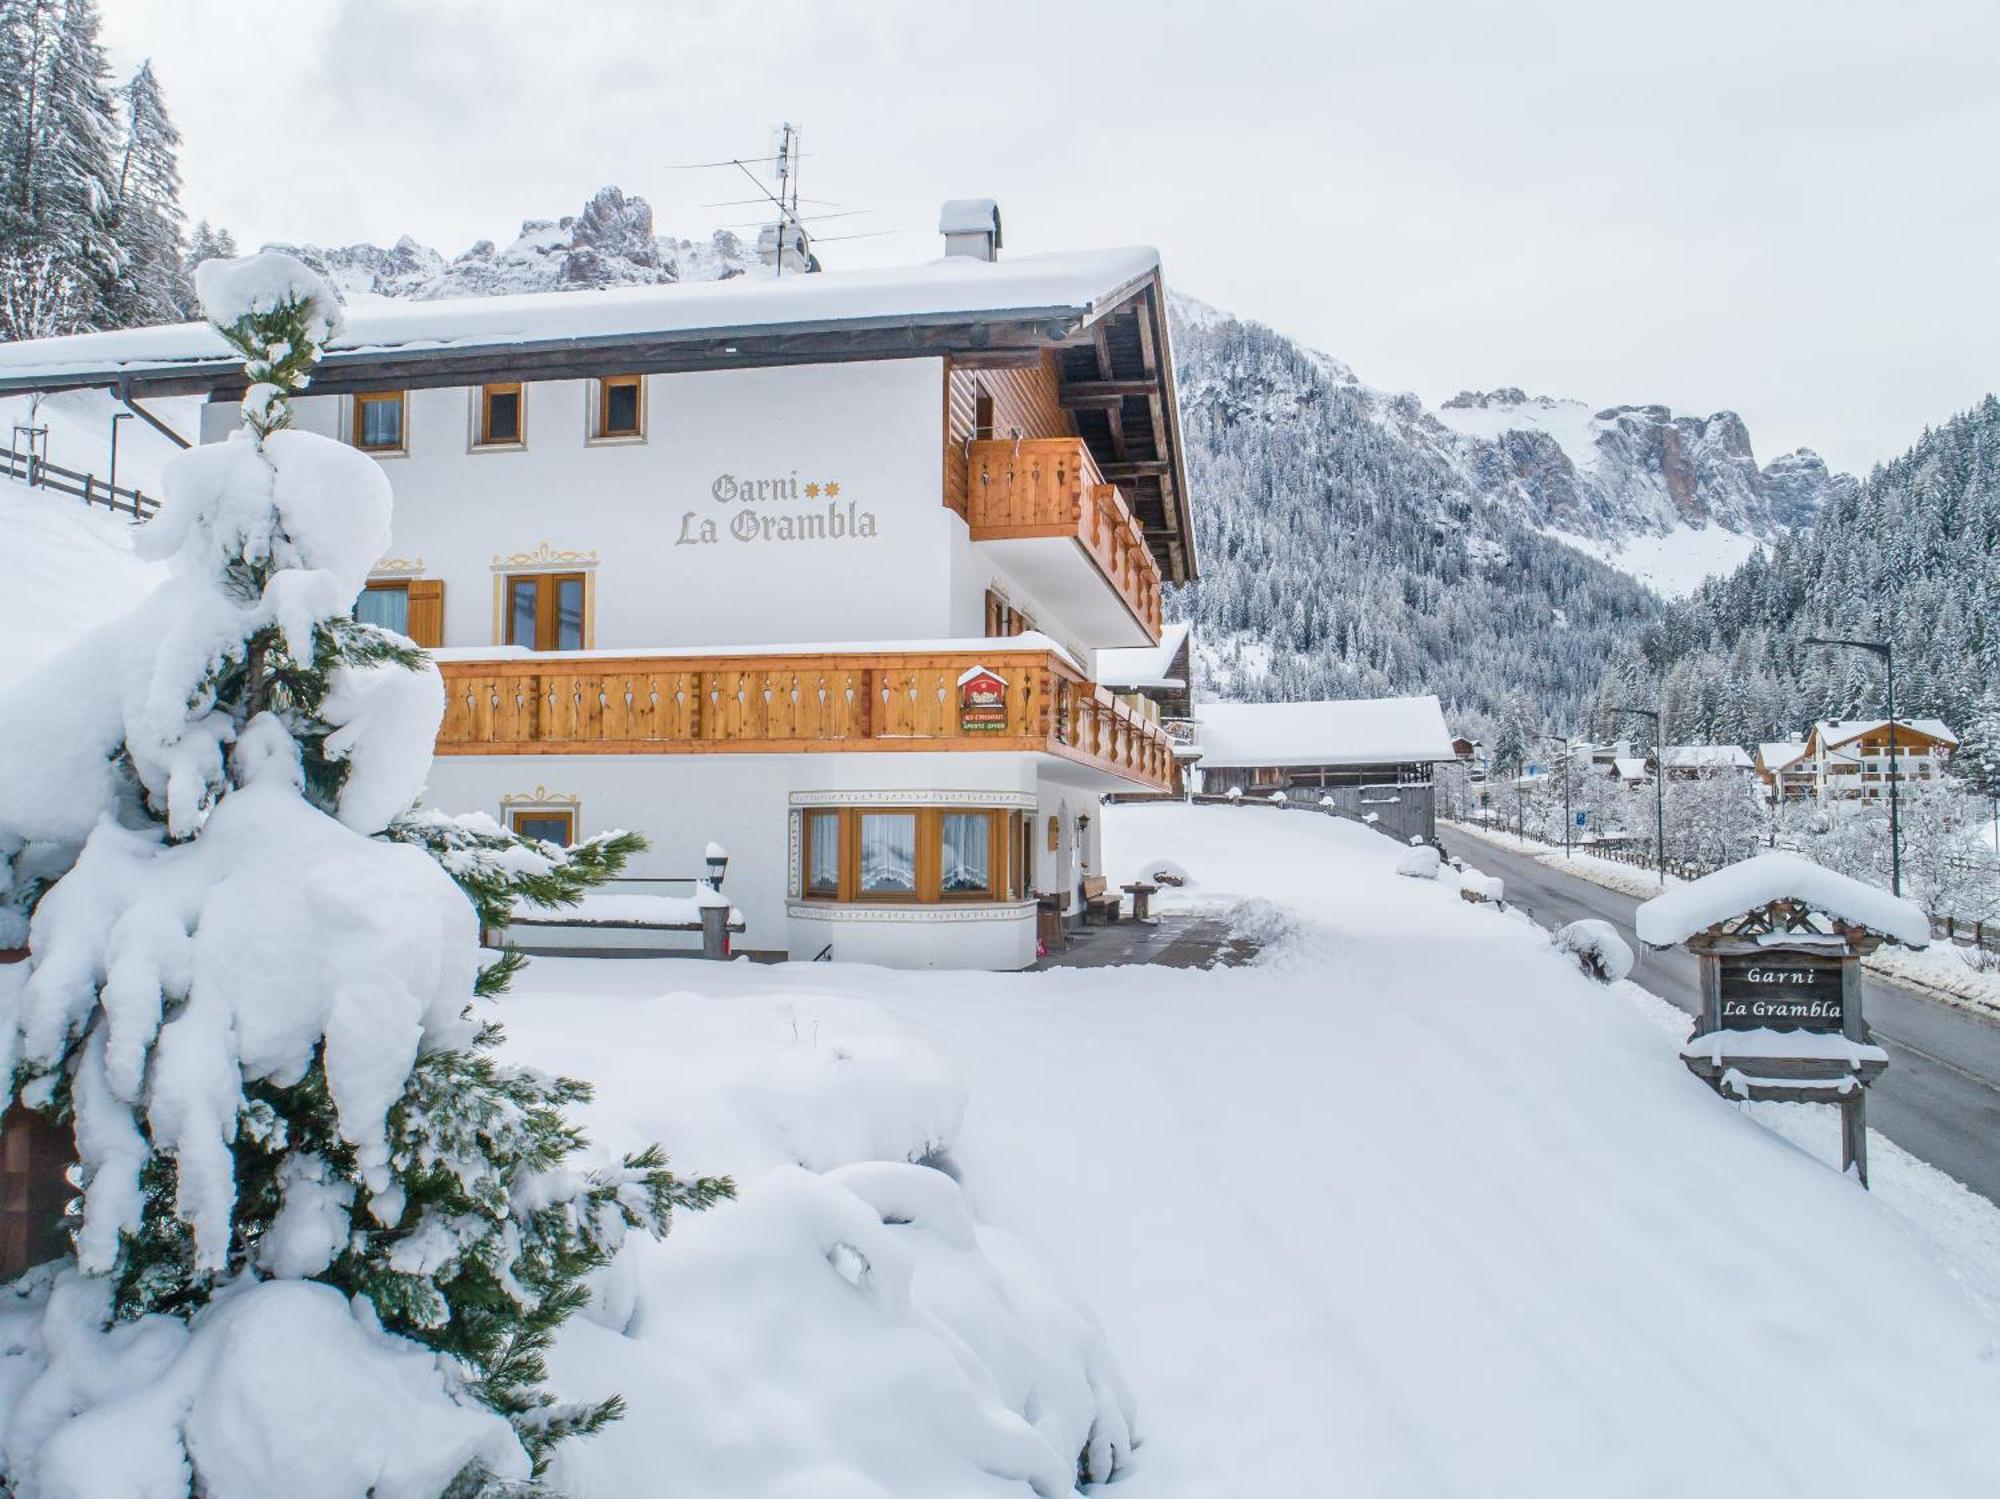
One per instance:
(1068, 535)
(791, 704)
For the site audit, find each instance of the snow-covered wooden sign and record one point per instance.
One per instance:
(1780, 941)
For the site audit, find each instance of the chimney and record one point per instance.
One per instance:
(971, 226)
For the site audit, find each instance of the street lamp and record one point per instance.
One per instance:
(1659, 786)
(116, 418)
(717, 860)
(1887, 652)
(1568, 764)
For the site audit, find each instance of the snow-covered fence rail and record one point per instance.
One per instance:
(1979, 934)
(39, 473)
(1402, 812)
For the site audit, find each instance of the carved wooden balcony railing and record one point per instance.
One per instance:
(790, 704)
(1051, 487)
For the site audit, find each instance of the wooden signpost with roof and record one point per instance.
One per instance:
(1781, 941)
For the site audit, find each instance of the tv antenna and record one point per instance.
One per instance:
(787, 238)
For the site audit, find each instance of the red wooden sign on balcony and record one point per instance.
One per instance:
(982, 702)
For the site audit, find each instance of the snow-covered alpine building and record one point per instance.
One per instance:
(817, 567)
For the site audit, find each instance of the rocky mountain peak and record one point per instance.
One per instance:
(612, 241)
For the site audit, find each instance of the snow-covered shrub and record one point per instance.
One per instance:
(1278, 798)
(251, 990)
(1419, 863)
(1234, 794)
(1165, 872)
(1476, 886)
(1597, 946)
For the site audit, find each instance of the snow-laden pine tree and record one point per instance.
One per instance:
(253, 983)
(58, 254)
(146, 209)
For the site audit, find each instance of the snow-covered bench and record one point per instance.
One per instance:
(614, 921)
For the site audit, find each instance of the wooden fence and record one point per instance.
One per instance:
(41, 474)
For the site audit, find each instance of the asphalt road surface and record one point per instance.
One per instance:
(1940, 1098)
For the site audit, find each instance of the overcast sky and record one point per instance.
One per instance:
(1787, 209)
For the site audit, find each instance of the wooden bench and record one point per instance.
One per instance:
(1098, 900)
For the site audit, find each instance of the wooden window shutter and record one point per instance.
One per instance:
(427, 611)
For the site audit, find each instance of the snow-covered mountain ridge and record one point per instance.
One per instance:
(1666, 497)
(611, 242)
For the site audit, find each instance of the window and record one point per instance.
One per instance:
(385, 604)
(966, 844)
(1003, 619)
(888, 854)
(621, 407)
(501, 416)
(822, 864)
(409, 606)
(982, 414)
(544, 611)
(548, 824)
(914, 853)
(378, 421)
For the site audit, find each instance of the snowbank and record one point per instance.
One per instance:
(1679, 913)
(848, 1325)
(265, 1392)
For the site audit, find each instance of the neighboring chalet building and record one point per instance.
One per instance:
(1849, 758)
(1785, 771)
(1157, 680)
(1371, 757)
(1692, 762)
(818, 567)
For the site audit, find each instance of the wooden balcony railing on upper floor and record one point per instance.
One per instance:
(791, 704)
(1050, 487)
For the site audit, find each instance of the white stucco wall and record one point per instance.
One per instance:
(745, 802)
(683, 533)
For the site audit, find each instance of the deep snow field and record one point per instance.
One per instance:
(1407, 1207)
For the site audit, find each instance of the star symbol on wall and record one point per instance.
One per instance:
(812, 491)
(832, 490)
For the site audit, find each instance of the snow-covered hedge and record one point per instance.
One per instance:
(1597, 946)
(1419, 863)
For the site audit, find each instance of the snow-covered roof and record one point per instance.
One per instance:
(1145, 665)
(954, 289)
(1707, 757)
(1780, 754)
(1837, 731)
(1629, 767)
(1364, 731)
(1736, 889)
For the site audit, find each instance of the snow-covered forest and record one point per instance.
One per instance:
(91, 229)
(1907, 558)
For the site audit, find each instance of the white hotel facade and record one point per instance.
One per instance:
(816, 567)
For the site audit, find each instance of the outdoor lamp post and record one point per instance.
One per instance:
(717, 860)
(116, 418)
(1659, 786)
(1887, 652)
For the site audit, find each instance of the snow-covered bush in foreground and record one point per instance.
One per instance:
(1419, 863)
(1597, 946)
(250, 990)
(846, 1326)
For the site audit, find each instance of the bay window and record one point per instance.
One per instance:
(920, 854)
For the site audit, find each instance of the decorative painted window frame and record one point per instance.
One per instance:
(541, 799)
(545, 559)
